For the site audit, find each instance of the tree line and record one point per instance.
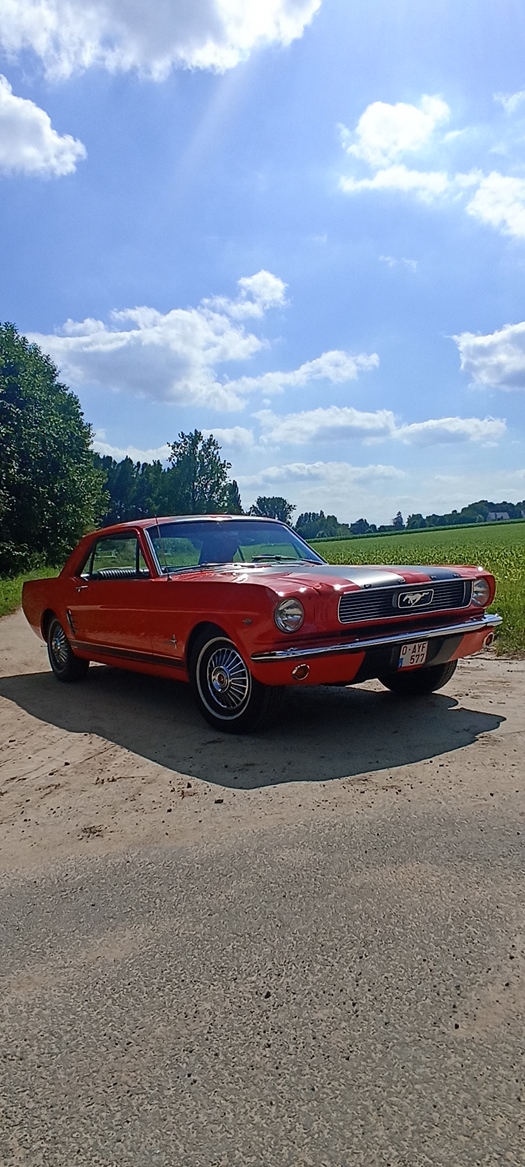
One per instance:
(317, 525)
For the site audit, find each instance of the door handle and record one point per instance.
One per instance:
(82, 588)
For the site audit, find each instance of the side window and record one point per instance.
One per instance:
(117, 557)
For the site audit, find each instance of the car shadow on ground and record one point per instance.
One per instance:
(321, 733)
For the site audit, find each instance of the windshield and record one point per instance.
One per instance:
(194, 544)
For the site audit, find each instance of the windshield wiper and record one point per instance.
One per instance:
(219, 563)
(279, 559)
(188, 567)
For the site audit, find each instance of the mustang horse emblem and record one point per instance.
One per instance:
(415, 599)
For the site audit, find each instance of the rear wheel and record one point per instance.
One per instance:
(418, 682)
(227, 695)
(66, 666)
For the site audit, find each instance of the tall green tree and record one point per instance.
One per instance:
(50, 490)
(201, 475)
(273, 507)
(234, 506)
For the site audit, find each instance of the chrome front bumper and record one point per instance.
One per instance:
(484, 623)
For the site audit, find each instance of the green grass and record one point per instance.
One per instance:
(501, 549)
(11, 589)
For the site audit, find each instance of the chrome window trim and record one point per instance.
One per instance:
(153, 553)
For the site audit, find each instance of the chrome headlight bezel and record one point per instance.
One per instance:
(289, 615)
(481, 592)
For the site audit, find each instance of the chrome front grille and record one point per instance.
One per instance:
(381, 603)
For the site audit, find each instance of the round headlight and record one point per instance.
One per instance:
(289, 615)
(480, 592)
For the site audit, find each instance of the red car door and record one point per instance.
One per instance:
(177, 601)
(110, 605)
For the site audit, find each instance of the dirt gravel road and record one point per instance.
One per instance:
(303, 948)
(122, 761)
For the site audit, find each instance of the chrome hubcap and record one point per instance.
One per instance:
(228, 678)
(59, 646)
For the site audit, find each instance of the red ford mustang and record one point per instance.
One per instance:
(241, 606)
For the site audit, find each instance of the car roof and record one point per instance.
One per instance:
(153, 522)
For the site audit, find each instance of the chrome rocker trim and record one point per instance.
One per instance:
(474, 625)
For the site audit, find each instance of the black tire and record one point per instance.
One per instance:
(419, 682)
(66, 666)
(227, 695)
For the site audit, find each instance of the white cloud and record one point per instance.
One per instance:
(28, 142)
(510, 101)
(334, 366)
(237, 438)
(385, 133)
(331, 473)
(175, 356)
(496, 360)
(425, 185)
(500, 202)
(158, 454)
(438, 431)
(264, 288)
(72, 35)
(346, 424)
(391, 261)
(325, 425)
(257, 294)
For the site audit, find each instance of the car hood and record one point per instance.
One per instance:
(334, 575)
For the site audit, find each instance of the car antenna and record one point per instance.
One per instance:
(161, 548)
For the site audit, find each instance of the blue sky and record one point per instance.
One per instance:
(299, 225)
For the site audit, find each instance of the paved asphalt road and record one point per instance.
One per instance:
(315, 959)
(343, 993)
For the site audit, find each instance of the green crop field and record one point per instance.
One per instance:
(501, 549)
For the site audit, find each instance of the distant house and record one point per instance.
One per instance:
(497, 516)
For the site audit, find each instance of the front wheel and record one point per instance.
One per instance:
(227, 695)
(419, 682)
(66, 666)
